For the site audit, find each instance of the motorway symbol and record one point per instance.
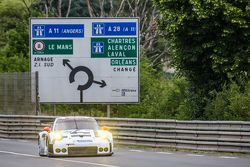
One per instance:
(89, 73)
(39, 30)
(98, 47)
(98, 28)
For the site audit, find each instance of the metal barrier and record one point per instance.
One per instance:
(226, 136)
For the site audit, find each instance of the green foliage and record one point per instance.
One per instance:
(230, 104)
(210, 39)
(14, 38)
(15, 63)
(160, 97)
(210, 44)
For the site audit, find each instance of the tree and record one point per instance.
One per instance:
(210, 41)
(14, 38)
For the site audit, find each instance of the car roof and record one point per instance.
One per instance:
(66, 118)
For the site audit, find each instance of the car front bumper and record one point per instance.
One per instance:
(81, 148)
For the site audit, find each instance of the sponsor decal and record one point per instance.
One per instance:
(84, 141)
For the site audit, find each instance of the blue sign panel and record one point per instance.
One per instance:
(58, 30)
(113, 29)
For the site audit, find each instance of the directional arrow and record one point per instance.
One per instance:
(83, 69)
(90, 81)
(102, 83)
(66, 62)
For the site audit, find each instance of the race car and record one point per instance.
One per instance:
(75, 136)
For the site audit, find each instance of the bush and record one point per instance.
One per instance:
(160, 97)
(232, 103)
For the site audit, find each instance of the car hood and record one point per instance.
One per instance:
(78, 133)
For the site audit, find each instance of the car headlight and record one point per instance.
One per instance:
(102, 134)
(57, 136)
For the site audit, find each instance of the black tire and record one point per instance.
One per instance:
(42, 155)
(110, 154)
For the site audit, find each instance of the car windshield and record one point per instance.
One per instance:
(76, 123)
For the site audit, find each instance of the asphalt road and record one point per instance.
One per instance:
(21, 153)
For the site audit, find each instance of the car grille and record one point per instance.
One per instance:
(82, 150)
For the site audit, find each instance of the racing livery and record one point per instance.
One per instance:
(75, 136)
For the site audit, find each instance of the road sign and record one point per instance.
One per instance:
(114, 47)
(114, 28)
(58, 30)
(52, 47)
(86, 60)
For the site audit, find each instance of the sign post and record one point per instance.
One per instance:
(86, 60)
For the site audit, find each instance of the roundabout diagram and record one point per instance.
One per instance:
(90, 81)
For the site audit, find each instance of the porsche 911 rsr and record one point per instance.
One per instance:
(75, 136)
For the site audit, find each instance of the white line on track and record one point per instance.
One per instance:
(58, 159)
(167, 153)
(195, 155)
(227, 157)
(139, 151)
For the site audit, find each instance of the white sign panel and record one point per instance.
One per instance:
(83, 60)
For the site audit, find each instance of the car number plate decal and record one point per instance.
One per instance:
(83, 141)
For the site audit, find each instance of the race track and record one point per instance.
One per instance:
(21, 153)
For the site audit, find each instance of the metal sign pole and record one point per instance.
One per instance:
(108, 110)
(54, 109)
(37, 94)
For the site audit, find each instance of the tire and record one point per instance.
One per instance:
(50, 155)
(110, 154)
(41, 155)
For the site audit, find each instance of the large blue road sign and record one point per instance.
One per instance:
(58, 30)
(114, 29)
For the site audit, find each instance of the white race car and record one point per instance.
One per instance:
(75, 136)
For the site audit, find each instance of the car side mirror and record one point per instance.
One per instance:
(47, 129)
(105, 128)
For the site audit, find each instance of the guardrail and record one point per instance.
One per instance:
(226, 136)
